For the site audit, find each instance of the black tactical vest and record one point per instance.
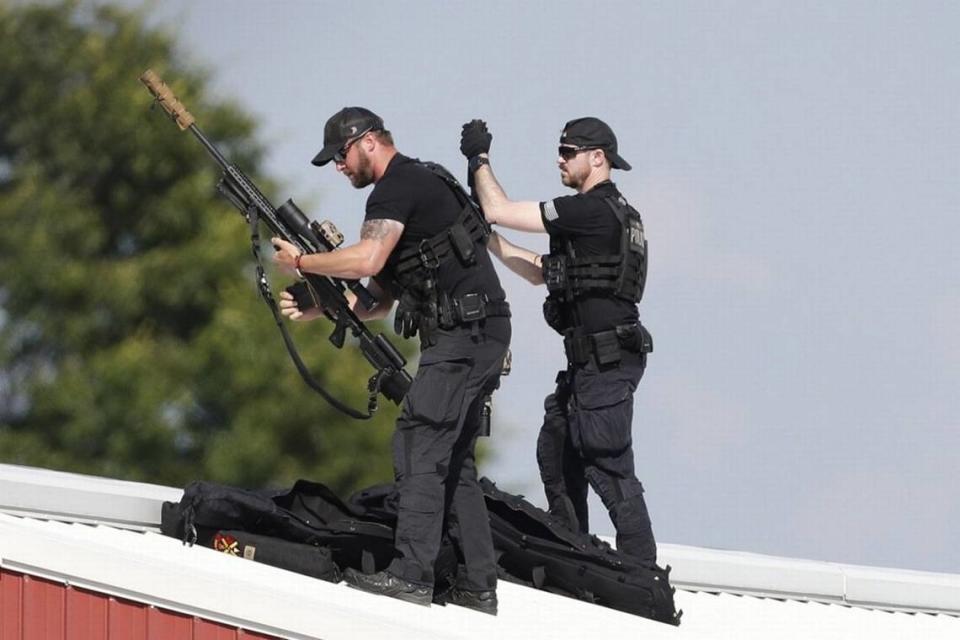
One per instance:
(460, 241)
(623, 274)
(412, 278)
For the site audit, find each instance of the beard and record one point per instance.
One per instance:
(573, 179)
(363, 176)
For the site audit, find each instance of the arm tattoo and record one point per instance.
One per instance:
(374, 229)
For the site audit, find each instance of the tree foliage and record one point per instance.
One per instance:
(132, 340)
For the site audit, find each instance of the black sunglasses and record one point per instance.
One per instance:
(341, 155)
(568, 153)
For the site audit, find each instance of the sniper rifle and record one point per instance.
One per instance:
(290, 223)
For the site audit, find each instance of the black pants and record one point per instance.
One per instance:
(433, 456)
(586, 439)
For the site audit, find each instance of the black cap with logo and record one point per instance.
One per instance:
(343, 126)
(594, 133)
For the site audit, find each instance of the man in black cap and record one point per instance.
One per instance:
(594, 273)
(422, 243)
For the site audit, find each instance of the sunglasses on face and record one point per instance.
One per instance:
(341, 155)
(568, 153)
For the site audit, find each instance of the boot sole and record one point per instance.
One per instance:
(423, 601)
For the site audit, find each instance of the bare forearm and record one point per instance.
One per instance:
(491, 195)
(523, 262)
(366, 258)
(349, 263)
(499, 209)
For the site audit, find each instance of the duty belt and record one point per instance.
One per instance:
(605, 346)
(470, 308)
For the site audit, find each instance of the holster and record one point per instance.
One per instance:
(553, 315)
(635, 338)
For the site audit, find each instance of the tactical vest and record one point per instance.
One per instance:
(412, 277)
(459, 241)
(623, 274)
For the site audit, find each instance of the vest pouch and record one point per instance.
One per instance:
(606, 347)
(578, 349)
(647, 340)
(462, 244)
(555, 273)
(553, 316)
(472, 307)
(635, 338)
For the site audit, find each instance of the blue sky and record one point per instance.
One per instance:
(796, 167)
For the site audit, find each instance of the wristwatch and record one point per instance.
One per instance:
(476, 162)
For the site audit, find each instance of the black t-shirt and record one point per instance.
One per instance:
(411, 194)
(589, 224)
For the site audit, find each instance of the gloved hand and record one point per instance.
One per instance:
(406, 320)
(406, 323)
(475, 139)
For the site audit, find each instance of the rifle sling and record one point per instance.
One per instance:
(373, 385)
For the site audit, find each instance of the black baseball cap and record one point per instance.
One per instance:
(342, 126)
(594, 133)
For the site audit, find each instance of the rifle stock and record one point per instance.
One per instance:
(291, 224)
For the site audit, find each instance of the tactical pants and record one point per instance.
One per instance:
(586, 438)
(433, 457)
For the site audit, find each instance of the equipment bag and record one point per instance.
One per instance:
(539, 550)
(308, 559)
(309, 514)
(533, 548)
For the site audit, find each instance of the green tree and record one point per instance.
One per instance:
(132, 340)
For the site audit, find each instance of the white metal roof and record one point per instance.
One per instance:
(738, 572)
(73, 497)
(147, 567)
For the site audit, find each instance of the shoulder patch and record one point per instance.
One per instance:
(550, 210)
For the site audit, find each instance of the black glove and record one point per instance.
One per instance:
(407, 318)
(475, 139)
(411, 310)
(406, 324)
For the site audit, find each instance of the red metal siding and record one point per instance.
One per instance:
(44, 605)
(126, 620)
(36, 609)
(11, 606)
(87, 615)
(166, 624)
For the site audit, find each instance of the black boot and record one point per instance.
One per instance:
(483, 601)
(387, 584)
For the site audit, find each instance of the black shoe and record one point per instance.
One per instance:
(387, 584)
(482, 601)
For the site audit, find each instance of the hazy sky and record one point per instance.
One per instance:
(796, 167)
